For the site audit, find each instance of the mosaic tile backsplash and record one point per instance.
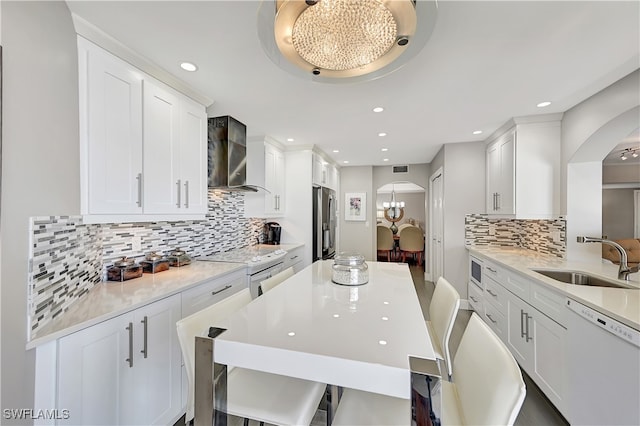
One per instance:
(67, 258)
(537, 235)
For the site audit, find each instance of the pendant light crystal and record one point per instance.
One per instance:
(344, 34)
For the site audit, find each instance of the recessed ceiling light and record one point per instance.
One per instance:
(543, 104)
(384, 149)
(346, 161)
(378, 109)
(336, 151)
(477, 132)
(382, 134)
(291, 333)
(290, 139)
(382, 342)
(385, 159)
(188, 66)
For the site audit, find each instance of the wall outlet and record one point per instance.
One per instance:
(555, 235)
(136, 244)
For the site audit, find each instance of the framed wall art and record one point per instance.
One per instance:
(355, 206)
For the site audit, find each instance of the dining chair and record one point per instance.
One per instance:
(412, 242)
(404, 225)
(251, 394)
(443, 311)
(487, 389)
(385, 241)
(270, 283)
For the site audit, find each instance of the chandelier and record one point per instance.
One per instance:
(332, 40)
(393, 210)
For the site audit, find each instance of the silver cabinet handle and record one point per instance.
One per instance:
(473, 298)
(522, 314)
(492, 320)
(527, 318)
(498, 203)
(130, 359)
(179, 189)
(494, 201)
(275, 202)
(144, 350)
(491, 293)
(213, 293)
(492, 270)
(186, 193)
(139, 179)
(294, 257)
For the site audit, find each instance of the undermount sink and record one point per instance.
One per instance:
(580, 278)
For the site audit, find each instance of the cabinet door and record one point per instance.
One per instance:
(110, 133)
(518, 314)
(548, 366)
(506, 197)
(94, 374)
(193, 157)
(318, 173)
(162, 185)
(493, 177)
(280, 181)
(158, 366)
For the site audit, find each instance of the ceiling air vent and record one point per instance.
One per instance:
(400, 169)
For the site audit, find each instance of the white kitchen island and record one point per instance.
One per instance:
(308, 327)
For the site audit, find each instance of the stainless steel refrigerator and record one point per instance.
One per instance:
(324, 223)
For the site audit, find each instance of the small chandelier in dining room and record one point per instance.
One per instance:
(344, 40)
(393, 211)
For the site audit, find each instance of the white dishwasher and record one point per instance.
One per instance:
(603, 369)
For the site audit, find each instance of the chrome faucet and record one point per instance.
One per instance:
(624, 270)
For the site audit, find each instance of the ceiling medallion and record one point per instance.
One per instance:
(344, 40)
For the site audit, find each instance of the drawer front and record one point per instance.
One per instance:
(496, 320)
(492, 271)
(495, 294)
(205, 295)
(293, 258)
(548, 302)
(517, 284)
(475, 298)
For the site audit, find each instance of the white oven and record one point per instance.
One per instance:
(262, 263)
(475, 271)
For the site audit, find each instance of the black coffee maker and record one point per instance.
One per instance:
(272, 233)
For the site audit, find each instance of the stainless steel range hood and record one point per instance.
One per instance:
(227, 153)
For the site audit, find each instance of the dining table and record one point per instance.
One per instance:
(309, 327)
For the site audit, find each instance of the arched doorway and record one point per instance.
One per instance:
(413, 213)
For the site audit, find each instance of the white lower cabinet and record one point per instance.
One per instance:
(528, 317)
(126, 370)
(538, 344)
(294, 258)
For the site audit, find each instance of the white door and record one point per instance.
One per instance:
(158, 365)
(94, 373)
(111, 133)
(437, 226)
(506, 199)
(270, 179)
(162, 185)
(519, 330)
(193, 157)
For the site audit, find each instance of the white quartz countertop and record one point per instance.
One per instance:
(359, 337)
(620, 304)
(110, 299)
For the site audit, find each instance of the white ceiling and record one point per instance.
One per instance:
(484, 63)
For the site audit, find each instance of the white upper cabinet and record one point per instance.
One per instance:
(523, 168)
(137, 166)
(324, 173)
(175, 146)
(265, 168)
(110, 133)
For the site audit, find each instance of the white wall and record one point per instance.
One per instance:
(357, 236)
(40, 162)
(617, 213)
(464, 193)
(590, 130)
